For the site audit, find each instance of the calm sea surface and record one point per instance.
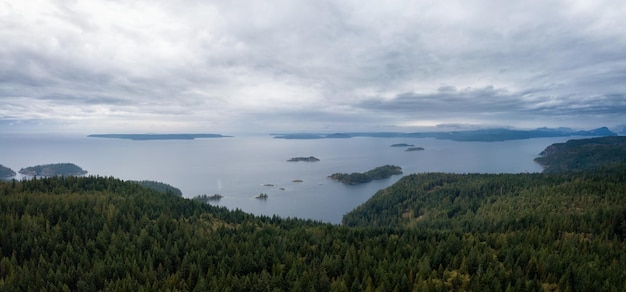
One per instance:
(240, 167)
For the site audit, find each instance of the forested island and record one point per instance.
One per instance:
(305, 159)
(559, 231)
(402, 145)
(55, 169)
(6, 172)
(354, 178)
(157, 136)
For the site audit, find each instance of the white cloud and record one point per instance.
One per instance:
(313, 63)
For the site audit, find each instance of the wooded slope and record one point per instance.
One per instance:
(427, 232)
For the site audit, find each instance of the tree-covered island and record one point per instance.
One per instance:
(402, 145)
(354, 178)
(6, 172)
(305, 159)
(55, 169)
(414, 149)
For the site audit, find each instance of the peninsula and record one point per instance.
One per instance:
(354, 178)
(306, 159)
(56, 169)
(157, 136)
(583, 154)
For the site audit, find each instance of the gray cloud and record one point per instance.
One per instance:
(313, 64)
(490, 105)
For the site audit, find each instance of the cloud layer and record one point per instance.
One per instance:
(310, 65)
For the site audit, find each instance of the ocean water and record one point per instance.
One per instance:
(240, 168)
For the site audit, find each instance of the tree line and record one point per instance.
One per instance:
(461, 232)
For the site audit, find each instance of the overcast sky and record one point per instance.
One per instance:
(276, 66)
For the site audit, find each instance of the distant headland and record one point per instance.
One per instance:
(306, 159)
(157, 136)
(6, 172)
(583, 154)
(482, 135)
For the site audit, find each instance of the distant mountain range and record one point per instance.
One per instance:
(484, 135)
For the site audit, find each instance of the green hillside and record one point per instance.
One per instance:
(93, 233)
(499, 202)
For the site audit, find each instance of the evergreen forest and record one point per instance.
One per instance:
(560, 231)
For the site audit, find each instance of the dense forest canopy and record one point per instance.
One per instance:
(427, 232)
(93, 233)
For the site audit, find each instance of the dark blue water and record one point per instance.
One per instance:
(239, 167)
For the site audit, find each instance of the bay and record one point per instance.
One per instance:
(240, 168)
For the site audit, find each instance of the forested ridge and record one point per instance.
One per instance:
(92, 233)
